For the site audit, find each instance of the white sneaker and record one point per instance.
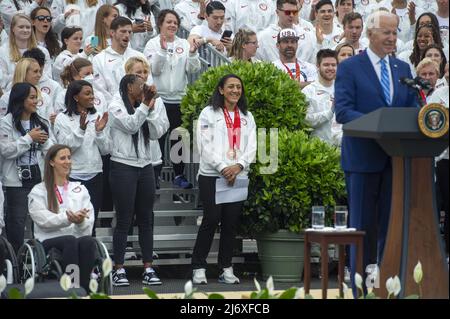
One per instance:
(199, 276)
(228, 277)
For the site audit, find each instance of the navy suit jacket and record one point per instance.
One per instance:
(357, 92)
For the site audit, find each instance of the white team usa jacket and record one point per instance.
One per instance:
(14, 145)
(170, 67)
(213, 145)
(87, 145)
(50, 225)
(124, 125)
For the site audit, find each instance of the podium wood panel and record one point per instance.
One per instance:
(413, 232)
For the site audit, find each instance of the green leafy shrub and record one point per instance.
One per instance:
(273, 98)
(308, 174)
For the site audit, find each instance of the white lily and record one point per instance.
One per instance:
(93, 285)
(300, 293)
(390, 285)
(258, 286)
(397, 285)
(269, 285)
(2, 283)
(29, 285)
(188, 288)
(358, 280)
(418, 274)
(106, 267)
(344, 288)
(65, 282)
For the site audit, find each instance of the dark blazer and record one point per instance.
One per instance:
(357, 92)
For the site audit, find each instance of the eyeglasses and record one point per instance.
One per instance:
(289, 12)
(42, 18)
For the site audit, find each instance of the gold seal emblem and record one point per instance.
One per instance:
(433, 120)
(231, 154)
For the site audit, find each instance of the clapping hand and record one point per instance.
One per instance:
(149, 93)
(412, 12)
(77, 217)
(83, 120)
(100, 123)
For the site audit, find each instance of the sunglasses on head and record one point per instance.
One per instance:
(42, 18)
(289, 12)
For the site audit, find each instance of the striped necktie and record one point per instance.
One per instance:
(385, 82)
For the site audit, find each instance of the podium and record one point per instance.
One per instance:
(413, 233)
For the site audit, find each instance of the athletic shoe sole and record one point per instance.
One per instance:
(156, 283)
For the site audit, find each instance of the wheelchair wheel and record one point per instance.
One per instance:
(32, 261)
(53, 266)
(102, 255)
(12, 265)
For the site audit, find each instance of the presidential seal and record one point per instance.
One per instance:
(433, 120)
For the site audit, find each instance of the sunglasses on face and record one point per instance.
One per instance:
(42, 18)
(289, 12)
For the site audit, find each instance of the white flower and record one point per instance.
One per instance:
(65, 282)
(358, 280)
(418, 274)
(107, 267)
(258, 287)
(188, 288)
(93, 285)
(397, 285)
(300, 293)
(29, 285)
(344, 288)
(269, 285)
(2, 283)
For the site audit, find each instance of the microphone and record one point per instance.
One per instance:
(416, 83)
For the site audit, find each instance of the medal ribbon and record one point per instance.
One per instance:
(233, 128)
(58, 194)
(297, 71)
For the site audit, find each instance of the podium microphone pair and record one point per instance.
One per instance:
(416, 83)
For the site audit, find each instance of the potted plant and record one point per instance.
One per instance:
(308, 169)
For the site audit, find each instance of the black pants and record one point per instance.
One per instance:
(107, 202)
(133, 191)
(16, 215)
(442, 175)
(75, 251)
(95, 189)
(174, 116)
(226, 214)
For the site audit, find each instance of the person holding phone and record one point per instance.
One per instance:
(102, 37)
(212, 32)
(133, 125)
(61, 211)
(24, 140)
(139, 12)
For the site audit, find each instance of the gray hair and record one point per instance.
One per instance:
(426, 62)
(373, 20)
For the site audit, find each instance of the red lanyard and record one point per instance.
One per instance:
(58, 194)
(234, 131)
(297, 71)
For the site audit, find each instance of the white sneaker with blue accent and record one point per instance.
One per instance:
(228, 277)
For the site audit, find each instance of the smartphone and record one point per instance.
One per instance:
(94, 41)
(138, 21)
(227, 34)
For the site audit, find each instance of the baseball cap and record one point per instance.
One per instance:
(287, 34)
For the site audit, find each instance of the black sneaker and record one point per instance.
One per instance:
(119, 278)
(181, 182)
(150, 278)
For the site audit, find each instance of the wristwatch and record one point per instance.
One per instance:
(240, 165)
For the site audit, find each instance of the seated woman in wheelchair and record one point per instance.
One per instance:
(63, 215)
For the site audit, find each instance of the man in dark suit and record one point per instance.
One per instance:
(364, 83)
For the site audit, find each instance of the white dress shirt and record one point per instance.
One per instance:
(375, 60)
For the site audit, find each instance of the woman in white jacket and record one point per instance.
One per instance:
(133, 124)
(226, 138)
(141, 68)
(72, 39)
(24, 141)
(171, 60)
(83, 128)
(62, 214)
